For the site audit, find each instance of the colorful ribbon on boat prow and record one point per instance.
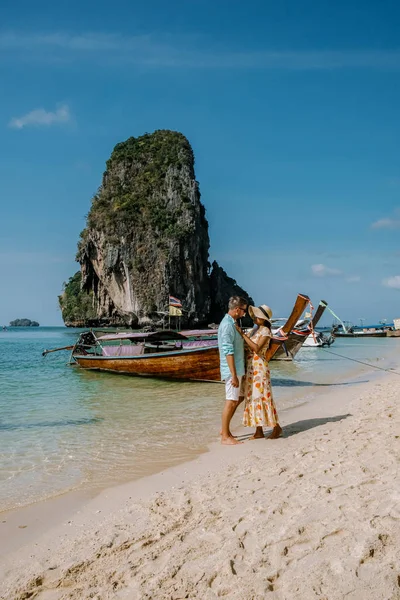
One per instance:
(280, 335)
(310, 327)
(305, 332)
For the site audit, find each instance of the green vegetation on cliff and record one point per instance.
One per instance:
(140, 174)
(76, 304)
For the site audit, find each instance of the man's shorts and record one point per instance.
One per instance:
(233, 393)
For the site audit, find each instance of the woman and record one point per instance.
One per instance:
(259, 410)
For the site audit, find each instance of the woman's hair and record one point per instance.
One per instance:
(267, 323)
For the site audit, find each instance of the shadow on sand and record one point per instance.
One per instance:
(285, 382)
(299, 426)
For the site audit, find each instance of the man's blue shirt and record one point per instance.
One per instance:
(230, 342)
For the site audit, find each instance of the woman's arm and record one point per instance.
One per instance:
(255, 347)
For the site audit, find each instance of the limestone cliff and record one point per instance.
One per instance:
(146, 238)
(222, 287)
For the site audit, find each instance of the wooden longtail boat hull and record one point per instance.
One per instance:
(201, 364)
(290, 348)
(296, 339)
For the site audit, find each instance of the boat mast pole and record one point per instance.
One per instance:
(45, 352)
(340, 320)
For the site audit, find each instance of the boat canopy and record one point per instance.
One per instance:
(199, 332)
(164, 335)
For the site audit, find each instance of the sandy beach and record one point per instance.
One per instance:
(315, 514)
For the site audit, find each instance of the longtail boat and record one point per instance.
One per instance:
(189, 355)
(297, 337)
(352, 332)
(281, 337)
(167, 354)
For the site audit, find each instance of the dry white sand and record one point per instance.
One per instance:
(315, 514)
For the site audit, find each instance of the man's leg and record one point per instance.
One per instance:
(234, 409)
(237, 404)
(236, 394)
(227, 414)
(233, 397)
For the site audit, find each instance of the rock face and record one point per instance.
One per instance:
(147, 238)
(222, 287)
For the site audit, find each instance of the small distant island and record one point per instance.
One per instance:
(24, 323)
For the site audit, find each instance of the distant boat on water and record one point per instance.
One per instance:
(358, 333)
(320, 339)
(354, 331)
(347, 329)
(395, 330)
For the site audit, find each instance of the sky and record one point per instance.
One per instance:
(292, 110)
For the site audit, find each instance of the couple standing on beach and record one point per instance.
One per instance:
(245, 370)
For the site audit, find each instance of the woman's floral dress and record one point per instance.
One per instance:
(259, 409)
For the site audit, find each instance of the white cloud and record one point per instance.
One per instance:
(321, 270)
(41, 117)
(386, 223)
(392, 282)
(353, 278)
(184, 51)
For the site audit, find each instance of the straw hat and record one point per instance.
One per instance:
(260, 312)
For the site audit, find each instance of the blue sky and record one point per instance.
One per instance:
(292, 111)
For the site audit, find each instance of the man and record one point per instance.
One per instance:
(231, 356)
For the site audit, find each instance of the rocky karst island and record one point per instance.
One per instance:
(24, 323)
(146, 237)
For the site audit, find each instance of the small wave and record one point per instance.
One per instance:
(66, 423)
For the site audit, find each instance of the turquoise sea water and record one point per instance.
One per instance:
(64, 428)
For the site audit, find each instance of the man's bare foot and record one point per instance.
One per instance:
(230, 441)
(275, 433)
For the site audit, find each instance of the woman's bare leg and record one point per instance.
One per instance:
(258, 434)
(275, 433)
